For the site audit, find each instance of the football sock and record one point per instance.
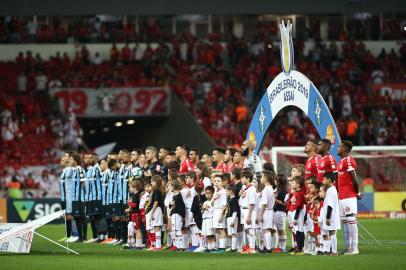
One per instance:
(353, 228)
(333, 239)
(300, 240)
(275, 240)
(158, 239)
(251, 238)
(326, 245)
(239, 240)
(282, 241)
(268, 240)
(69, 228)
(233, 242)
(222, 243)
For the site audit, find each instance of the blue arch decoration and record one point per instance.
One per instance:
(293, 89)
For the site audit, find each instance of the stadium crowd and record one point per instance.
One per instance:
(227, 200)
(219, 83)
(108, 29)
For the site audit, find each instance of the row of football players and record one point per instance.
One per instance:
(247, 214)
(85, 192)
(105, 196)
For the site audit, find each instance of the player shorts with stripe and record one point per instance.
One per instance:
(188, 219)
(136, 219)
(176, 222)
(309, 226)
(207, 227)
(157, 221)
(299, 227)
(217, 213)
(232, 225)
(279, 220)
(244, 215)
(291, 217)
(268, 219)
(348, 206)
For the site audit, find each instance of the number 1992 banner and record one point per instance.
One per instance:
(113, 102)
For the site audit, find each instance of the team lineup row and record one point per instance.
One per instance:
(229, 201)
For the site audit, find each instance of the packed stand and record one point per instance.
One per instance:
(221, 85)
(33, 133)
(108, 29)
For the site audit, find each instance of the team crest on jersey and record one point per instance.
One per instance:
(317, 111)
(262, 118)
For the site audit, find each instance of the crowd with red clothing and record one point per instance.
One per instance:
(220, 84)
(99, 29)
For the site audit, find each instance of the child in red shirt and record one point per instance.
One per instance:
(298, 206)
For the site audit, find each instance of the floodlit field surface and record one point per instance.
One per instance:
(390, 255)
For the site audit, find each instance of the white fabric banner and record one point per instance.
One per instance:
(21, 244)
(18, 231)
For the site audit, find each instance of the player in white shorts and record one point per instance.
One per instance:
(177, 212)
(247, 206)
(280, 212)
(259, 236)
(207, 216)
(187, 194)
(329, 215)
(232, 216)
(219, 203)
(156, 213)
(167, 201)
(267, 203)
(348, 193)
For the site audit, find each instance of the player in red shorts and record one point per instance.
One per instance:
(185, 164)
(315, 215)
(348, 192)
(313, 159)
(133, 211)
(327, 161)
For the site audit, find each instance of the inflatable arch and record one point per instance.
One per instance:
(292, 88)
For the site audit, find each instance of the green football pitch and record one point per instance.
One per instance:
(391, 254)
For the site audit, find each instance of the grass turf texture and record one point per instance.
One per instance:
(97, 256)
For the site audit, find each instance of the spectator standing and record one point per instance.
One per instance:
(22, 83)
(32, 27)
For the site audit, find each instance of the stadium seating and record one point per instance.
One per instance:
(220, 86)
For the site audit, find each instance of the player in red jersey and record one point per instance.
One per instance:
(218, 157)
(185, 164)
(238, 159)
(315, 215)
(348, 192)
(327, 161)
(228, 158)
(194, 155)
(313, 159)
(298, 207)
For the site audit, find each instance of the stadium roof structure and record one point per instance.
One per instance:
(176, 7)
